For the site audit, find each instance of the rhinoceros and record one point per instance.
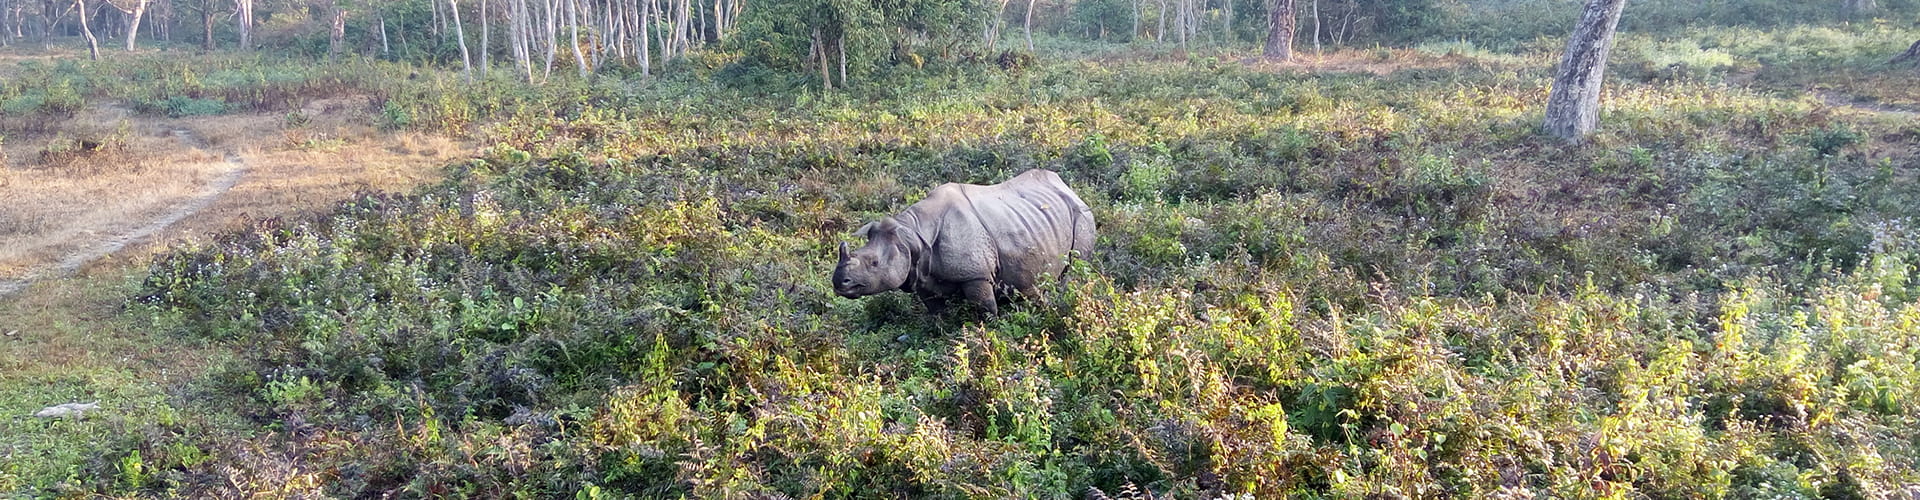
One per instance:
(971, 241)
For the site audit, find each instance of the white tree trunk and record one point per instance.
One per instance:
(337, 29)
(553, 36)
(573, 17)
(93, 44)
(1226, 23)
(1160, 33)
(1573, 108)
(522, 29)
(1027, 25)
(385, 48)
(460, 34)
(486, 39)
(133, 22)
(1316, 27)
(243, 19)
(646, 55)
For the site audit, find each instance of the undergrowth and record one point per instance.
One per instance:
(1306, 284)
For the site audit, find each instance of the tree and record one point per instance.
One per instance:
(1027, 25)
(486, 39)
(243, 21)
(466, 60)
(6, 22)
(134, 10)
(93, 44)
(206, 24)
(1280, 27)
(1573, 108)
(336, 27)
(817, 38)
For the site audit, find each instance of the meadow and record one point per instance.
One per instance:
(1368, 275)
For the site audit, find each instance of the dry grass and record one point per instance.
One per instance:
(285, 178)
(59, 208)
(64, 209)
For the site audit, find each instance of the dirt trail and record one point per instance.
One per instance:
(1848, 103)
(72, 262)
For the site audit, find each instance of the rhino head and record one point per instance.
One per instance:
(882, 264)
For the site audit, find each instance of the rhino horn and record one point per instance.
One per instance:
(843, 250)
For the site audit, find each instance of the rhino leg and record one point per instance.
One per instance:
(936, 306)
(1032, 293)
(980, 294)
(1083, 235)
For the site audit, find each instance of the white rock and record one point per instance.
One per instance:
(65, 410)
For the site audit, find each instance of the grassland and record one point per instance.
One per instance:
(1368, 275)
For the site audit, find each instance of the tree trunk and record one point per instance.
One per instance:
(1027, 25)
(93, 44)
(1280, 25)
(553, 36)
(460, 34)
(573, 16)
(386, 49)
(245, 23)
(1573, 108)
(646, 53)
(133, 22)
(1316, 27)
(206, 25)
(486, 41)
(1226, 23)
(1160, 33)
(522, 37)
(682, 27)
(994, 26)
(1181, 9)
(820, 44)
(337, 29)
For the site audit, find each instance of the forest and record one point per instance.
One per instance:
(585, 248)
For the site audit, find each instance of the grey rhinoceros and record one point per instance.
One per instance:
(971, 241)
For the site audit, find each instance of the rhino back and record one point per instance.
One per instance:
(1030, 222)
(1012, 232)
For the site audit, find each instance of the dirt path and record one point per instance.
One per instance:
(73, 262)
(1848, 103)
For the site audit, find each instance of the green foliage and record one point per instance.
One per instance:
(186, 106)
(783, 35)
(1306, 284)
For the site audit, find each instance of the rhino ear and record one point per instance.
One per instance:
(864, 231)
